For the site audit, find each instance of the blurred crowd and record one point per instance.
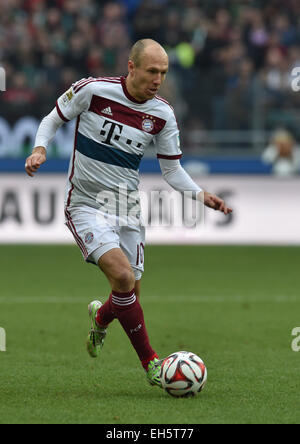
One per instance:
(231, 61)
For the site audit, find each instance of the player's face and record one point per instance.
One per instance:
(147, 78)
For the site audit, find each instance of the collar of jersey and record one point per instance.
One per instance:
(127, 94)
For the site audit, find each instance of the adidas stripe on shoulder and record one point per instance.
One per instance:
(86, 81)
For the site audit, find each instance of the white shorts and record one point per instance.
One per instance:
(97, 233)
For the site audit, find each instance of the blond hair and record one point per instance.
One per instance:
(138, 50)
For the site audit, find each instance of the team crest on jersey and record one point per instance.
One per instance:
(148, 125)
(89, 237)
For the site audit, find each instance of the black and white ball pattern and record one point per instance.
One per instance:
(183, 374)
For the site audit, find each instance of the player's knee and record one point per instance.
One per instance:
(125, 280)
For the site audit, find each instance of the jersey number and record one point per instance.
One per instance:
(140, 253)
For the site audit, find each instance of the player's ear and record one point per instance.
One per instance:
(131, 67)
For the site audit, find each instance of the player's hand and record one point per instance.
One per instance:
(214, 202)
(33, 162)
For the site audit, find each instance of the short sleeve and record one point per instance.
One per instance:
(74, 101)
(167, 142)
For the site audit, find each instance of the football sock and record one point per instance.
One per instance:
(127, 309)
(105, 315)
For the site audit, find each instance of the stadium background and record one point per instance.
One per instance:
(230, 64)
(230, 83)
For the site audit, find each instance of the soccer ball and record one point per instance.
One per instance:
(183, 374)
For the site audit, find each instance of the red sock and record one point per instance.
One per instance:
(129, 312)
(106, 314)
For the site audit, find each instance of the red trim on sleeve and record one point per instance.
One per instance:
(162, 156)
(61, 114)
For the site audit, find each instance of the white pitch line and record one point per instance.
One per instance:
(154, 299)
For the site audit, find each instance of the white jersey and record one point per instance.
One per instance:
(113, 131)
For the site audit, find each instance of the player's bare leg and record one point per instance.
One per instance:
(118, 271)
(124, 305)
(137, 290)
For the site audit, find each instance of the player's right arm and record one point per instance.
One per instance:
(69, 105)
(44, 136)
(35, 160)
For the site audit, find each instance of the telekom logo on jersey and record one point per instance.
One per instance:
(111, 131)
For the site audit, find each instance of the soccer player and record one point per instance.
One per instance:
(117, 119)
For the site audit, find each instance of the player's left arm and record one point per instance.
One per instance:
(214, 202)
(167, 144)
(179, 179)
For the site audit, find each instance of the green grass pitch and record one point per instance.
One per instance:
(234, 306)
